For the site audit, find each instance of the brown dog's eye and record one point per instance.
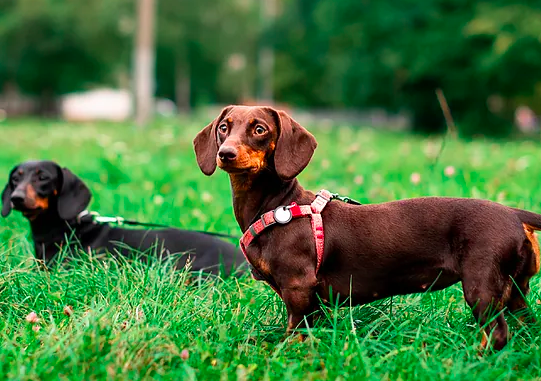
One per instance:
(222, 128)
(259, 130)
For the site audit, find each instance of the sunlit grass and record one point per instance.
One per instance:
(146, 321)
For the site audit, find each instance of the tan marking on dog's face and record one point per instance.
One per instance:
(253, 134)
(36, 201)
(254, 159)
(248, 160)
(38, 181)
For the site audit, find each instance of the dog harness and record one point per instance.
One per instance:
(284, 214)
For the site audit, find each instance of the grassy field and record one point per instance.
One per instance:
(135, 321)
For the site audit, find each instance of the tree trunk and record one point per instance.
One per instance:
(266, 55)
(144, 62)
(182, 83)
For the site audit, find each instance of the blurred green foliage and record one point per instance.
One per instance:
(485, 55)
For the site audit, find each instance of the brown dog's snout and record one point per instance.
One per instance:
(227, 153)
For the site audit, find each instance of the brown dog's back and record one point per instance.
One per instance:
(383, 246)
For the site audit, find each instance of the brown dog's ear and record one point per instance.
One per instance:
(206, 146)
(73, 197)
(294, 148)
(6, 195)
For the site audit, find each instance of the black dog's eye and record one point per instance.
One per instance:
(42, 178)
(14, 180)
(222, 128)
(259, 130)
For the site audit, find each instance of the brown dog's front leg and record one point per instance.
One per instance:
(300, 303)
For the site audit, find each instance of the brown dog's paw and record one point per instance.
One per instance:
(294, 336)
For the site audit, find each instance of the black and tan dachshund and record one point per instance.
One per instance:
(52, 198)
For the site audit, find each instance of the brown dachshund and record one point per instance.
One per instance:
(370, 251)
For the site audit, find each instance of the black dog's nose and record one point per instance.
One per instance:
(17, 198)
(227, 153)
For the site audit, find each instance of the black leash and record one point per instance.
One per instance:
(96, 218)
(345, 199)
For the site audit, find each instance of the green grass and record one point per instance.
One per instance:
(133, 321)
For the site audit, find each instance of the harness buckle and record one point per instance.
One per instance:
(80, 216)
(283, 214)
(85, 213)
(320, 194)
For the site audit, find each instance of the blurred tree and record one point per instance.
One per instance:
(485, 56)
(394, 54)
(50, 47)
(206, 50)
(300, 56)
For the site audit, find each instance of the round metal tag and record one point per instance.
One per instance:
(282, 215)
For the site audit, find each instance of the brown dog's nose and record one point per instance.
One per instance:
(227, 153)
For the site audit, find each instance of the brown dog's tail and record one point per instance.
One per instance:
(529, 218)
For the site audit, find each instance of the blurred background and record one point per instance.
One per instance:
(376, 62)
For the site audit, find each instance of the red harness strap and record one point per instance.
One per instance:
(283, 214)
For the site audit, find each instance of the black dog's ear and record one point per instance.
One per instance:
(6, 195)
(294, 148)
(206, 145)
(74, 195)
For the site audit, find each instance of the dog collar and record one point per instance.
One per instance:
(284, 214)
